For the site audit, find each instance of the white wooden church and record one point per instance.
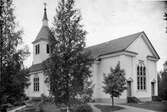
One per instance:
(135, 53)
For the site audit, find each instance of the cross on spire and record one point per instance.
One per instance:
(45, 14)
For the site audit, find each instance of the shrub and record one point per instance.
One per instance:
(133, 100)
(156, 98)
(83, 108)
(44, 98)
(47, 99)
(26, 98)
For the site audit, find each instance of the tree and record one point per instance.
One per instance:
(114, 82)
(68, 65)
(13, 75)
(163, 83)
(87, 92)
(165, 66)
(165, 18)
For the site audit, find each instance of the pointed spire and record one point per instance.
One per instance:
(45, 18)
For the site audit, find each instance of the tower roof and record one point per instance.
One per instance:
(43, 34)
(44, 31)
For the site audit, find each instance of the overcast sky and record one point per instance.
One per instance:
(104, 20)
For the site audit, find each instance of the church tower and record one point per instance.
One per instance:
(40, 44)
(41, 51)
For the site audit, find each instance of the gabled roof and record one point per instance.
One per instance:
(112, 46)
(36, 67)
(43, 34)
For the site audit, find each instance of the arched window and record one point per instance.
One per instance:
(36, 84)
(141, 76)
(37, 49)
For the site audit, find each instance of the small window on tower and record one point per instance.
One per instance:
(47, 48)
(37, 49)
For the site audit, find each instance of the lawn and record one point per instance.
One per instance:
(50, 108)
(156, 106)
(75, 108)
(108, 108)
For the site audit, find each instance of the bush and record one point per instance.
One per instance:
(47, 99)
(156, 98)
(83, 108)
(133, 100)
(26, 98)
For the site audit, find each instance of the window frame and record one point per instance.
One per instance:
(36, 84)
(37, 49)
(141, 76)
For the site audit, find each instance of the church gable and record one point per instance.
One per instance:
(143, 47)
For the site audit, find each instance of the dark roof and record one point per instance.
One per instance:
(43, 34)
(36, 67)
(112, 46)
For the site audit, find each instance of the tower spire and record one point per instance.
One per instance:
(45, 18)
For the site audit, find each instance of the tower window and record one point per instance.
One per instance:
(47, 48)
(37, 49)
(36, 84)
(141, 77)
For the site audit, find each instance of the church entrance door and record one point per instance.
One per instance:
(129, 89)
(152, 88)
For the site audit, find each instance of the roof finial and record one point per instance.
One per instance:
(44, 5)
(45, 14)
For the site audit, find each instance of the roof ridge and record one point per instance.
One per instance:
(122, 37)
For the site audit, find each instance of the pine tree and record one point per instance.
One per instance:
(12, 82)
(68, 65)
(114, 82)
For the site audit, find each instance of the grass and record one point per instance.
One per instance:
(156, 106)
(108, 108)
(53, 108)
(50, 108)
